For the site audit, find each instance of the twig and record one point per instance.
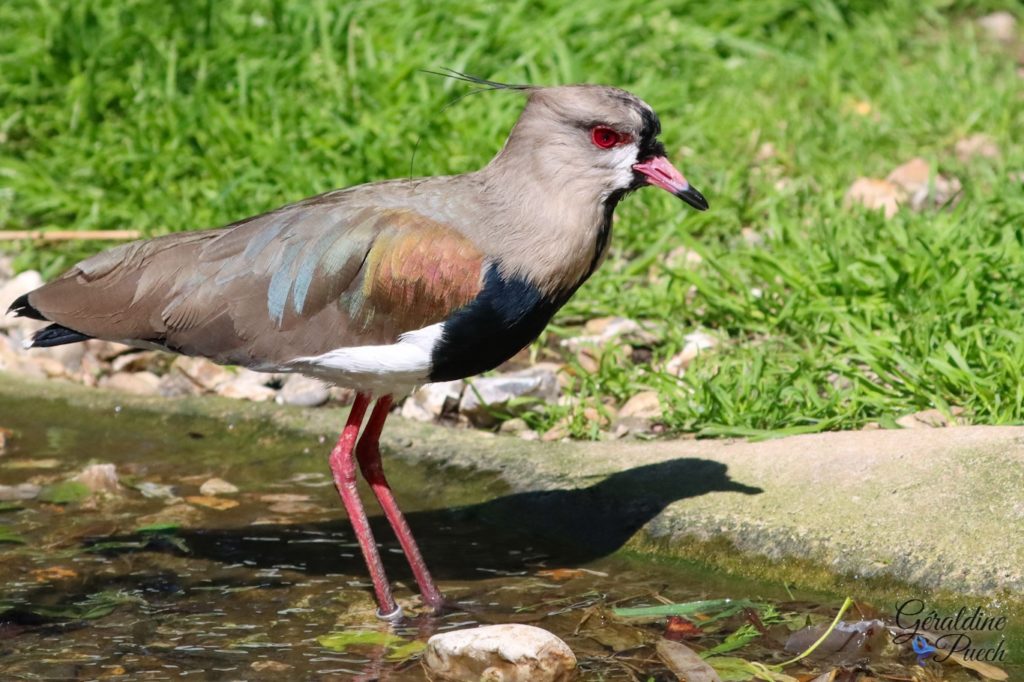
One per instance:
(67, 235)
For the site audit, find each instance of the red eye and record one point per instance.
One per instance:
(606, 138)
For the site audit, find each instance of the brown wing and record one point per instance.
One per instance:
(301, 281)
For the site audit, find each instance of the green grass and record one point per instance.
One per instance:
(187, 114)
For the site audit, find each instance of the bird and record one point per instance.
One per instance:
(385, 286)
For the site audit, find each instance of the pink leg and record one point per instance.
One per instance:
(368, 454)
(343, 467)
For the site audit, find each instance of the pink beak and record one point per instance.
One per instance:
(660, 172)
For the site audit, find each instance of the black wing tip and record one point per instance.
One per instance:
(22, 308)
(56, 335)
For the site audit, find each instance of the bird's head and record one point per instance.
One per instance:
(598, 136)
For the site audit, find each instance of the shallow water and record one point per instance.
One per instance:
(244, 592)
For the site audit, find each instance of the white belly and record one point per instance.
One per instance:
(390, 369)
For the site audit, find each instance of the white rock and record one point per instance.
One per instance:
(248, 385)
(430, 401)
(303, 391)
(99, 478)
(873, 193)
(644, 405)
(514, 426)
(978, 145)
(19, 285)
(499, 653)
(206, 375)
(22, 491)
(488, 393)
(156, 490)
(924, 188)
(217, 486)
(931, 419)
(601, 330)
(696, 343)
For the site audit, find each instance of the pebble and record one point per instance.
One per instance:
(695, 344)
(999, 26)
(248, 385)
(924, 188)
(156, 490)
(639, 413)
(974, 146)
(932, 418)
(514, 426)
(875, 194)
(205, 375)
(645, 404)
(217, 486)
(210, 502)
(136, 383)
(499, 653)
(430, 401)
(22, 491)
(100, 478)
(303, 391)
(487, 394)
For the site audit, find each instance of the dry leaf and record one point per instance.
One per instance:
(561, 573)
(44, 575)
(685, 663)
(986, 670)
(218, 503)
(679, 628)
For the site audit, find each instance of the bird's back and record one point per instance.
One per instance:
(348, 268)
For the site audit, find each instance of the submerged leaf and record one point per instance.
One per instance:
(685, 663)
(65, 492)
(340, 641)
(693, 608)
(407, 650)
(398, 648)
(8, 535)
(166, 527)
(737, 640)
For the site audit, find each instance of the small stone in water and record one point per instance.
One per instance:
(99, 478)
(22, 491)
(505, 653)
(155, 490)
(295, 508)
(284, 497)
(270, 666)
(217, 486)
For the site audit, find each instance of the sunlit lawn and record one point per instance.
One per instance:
(179, 115)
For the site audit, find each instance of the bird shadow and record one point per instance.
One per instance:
(563, 527)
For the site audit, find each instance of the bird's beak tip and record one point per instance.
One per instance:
(694, 198)
(660, 172)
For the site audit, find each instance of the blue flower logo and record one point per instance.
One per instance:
(922, 648)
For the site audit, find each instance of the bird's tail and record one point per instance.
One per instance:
(53, 335)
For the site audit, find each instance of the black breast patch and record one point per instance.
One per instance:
(502, 320)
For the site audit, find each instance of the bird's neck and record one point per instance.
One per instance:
(553, 228)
